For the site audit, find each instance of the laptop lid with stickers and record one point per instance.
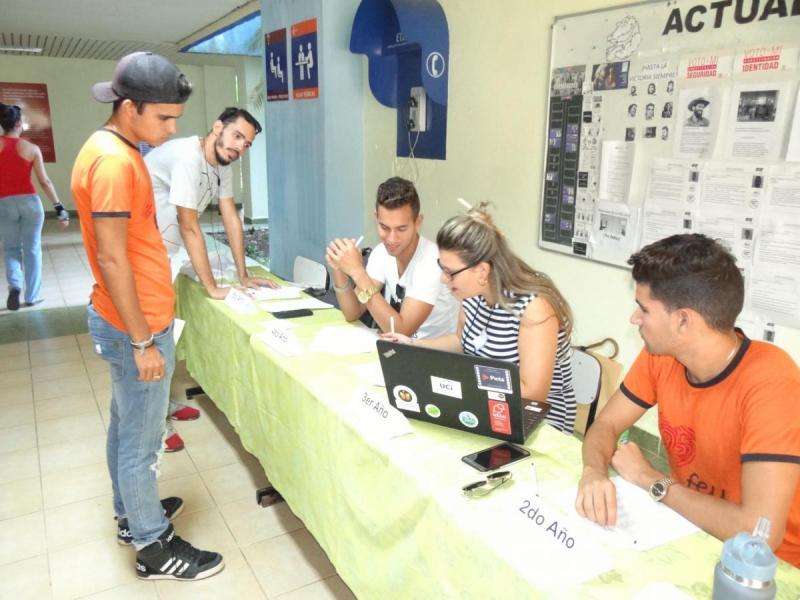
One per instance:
(472, 393)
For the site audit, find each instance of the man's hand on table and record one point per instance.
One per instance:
(597, 498)
(257, 282)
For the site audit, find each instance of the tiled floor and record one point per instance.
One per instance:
(57, 534)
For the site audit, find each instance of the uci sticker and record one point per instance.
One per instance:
(493, 379)
(496, 396)
(468, 419)
(433, 411)
(446, 387)
(405, 398)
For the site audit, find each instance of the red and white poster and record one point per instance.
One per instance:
(37, 126)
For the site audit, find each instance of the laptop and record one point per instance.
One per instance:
(470, 393)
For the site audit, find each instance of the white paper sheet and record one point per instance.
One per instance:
(370, 373)
(793, 149)
(344, 340)
(734, 230)
(697, 128)
(641, 523)
(774, 286)
(616, 166)
(674, 182)
(240, 302)
(177, 329)
(733, 186)
(660, 221)
(265, 293)
(374, 417)
(615, 233)
(536, 536)
(783, 187)
(757, 120)
(281, 305)
(278, 336)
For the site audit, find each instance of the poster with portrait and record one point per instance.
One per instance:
(697, 122)
(37, 125)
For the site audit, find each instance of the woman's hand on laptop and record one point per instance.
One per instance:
(397, 337)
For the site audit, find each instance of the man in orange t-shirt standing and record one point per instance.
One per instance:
(132, 305)
(728, 409)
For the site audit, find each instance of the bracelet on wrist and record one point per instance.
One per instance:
(142, 346)
(347, 286)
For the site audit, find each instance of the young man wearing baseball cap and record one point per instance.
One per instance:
(132, 305)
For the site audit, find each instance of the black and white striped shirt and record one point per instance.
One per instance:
(493, 332)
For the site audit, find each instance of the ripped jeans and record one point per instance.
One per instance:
(136, 428)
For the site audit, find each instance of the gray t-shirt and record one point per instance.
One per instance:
(182, 177)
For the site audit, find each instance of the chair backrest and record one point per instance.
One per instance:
(310, 273)
(586, 374)
(595, 378)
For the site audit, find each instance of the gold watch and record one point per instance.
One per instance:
(364, 296)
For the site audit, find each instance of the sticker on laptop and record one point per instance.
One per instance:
(468, 419)
(496, 396)
(433, 411)
(499, 417)
(446, 387)
(493, 379)
(405, 398)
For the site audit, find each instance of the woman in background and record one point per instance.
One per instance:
(21, 213)
(509, 311)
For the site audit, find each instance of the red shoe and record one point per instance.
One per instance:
(173, 443)
(185, 413)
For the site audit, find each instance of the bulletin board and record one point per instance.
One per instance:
(679, 117)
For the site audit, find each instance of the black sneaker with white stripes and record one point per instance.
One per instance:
(172, 508)
(170, 557)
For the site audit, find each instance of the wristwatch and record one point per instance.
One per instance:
(365, 295)
(142, 346)
(659, 489)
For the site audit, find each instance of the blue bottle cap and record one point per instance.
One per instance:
(750, 558)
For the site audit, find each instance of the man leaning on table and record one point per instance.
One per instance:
(728, 407)
(404, 266)
(188, 173)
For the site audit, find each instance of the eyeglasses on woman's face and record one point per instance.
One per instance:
(450, 275)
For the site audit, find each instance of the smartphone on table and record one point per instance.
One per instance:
(495, 457)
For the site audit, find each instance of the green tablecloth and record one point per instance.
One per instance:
(389, 513)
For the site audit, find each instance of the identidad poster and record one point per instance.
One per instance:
(305, 60)
(37, 126)
(277, 67)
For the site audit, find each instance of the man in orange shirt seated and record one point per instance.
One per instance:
(728, 407)
(132, 305)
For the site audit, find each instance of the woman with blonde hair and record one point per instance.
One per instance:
(509, 311)
(21, 213)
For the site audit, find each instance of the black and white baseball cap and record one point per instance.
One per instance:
(144, 77)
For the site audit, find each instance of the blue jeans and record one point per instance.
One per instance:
(21, 219)
(136, 428)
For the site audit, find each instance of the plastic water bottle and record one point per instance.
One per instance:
(746, 569)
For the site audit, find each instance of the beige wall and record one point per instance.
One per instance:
(76, 114)
(499, 62)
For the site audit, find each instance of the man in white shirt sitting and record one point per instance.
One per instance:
(404, 266)
(187, 174)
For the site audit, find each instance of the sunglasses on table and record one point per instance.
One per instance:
(484, 487)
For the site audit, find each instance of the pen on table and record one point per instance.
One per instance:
(359, 240)
(391, 324)
(535, 480)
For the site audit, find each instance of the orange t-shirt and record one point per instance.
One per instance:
(749, 412)
(110, 180)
